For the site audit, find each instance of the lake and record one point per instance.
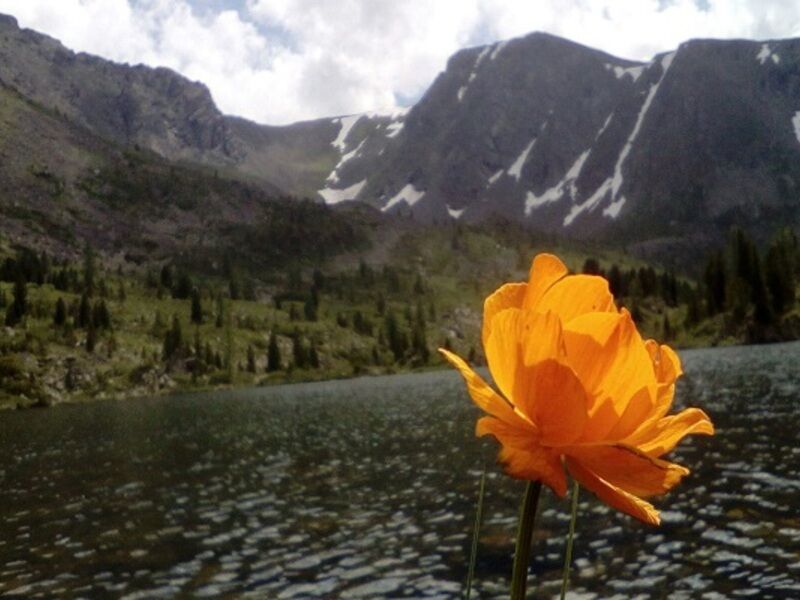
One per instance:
(367, 488)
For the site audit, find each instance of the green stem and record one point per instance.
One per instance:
(522, 552)
(570, 539)
(473, 557)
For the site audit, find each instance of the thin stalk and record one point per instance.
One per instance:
(473, 555)
(570, 539)
(522, 552)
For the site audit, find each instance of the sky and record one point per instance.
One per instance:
(280, 61)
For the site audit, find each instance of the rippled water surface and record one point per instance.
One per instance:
(365, 489)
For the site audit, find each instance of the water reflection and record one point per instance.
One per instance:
(366, 489)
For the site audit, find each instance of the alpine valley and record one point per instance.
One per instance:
(366, 240)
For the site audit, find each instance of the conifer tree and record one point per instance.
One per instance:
(251, 359)
(91, 337)
(715, 279)
(197, 308)
(220, 320)
(173, 339)
(88, 270)
(299, 351)
(60, 316)
(84, 312)
(273, 354)
(313, 356)
(19, 305)
(100, 315)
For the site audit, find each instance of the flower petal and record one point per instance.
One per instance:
(546, 270)
(483, 395)
(629, 469)
(519, 339)
(510, 295)
(522, 456)
(666, 363)
(610, 359)
(613, 496)
(577, 295)
(670, 430)
(556, 402)
(527, 359)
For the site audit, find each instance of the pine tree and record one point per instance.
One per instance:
(91, 337)
(197, 308)
(251, 359)
(208, 357)
(19, 305)
(220, 320)
(591, 266)
(60, 316)
(615, 284)
(100, 315)
(311, 306)
(313, 356)
(397, 339)
(666, 328)
(173, 339)
(84, 312)
(273, 354)
(88, 270)
(380, 304)
(692, 310)
(166, 277)
(715, 279)
(779, 273)
(183, 289)
(299, 351)
(234, 289)
(419, 285)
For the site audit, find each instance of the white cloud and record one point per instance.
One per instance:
(277, 61)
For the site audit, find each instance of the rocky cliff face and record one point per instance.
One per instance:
(538, 130)
(154, 108)
(568, 139)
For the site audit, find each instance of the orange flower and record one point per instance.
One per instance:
(581, 389)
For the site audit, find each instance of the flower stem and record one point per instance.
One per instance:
(522, 552)
(473, 557)
(570, 539)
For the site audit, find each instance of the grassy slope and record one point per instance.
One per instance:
(458, 268)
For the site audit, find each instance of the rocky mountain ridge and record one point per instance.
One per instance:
(537, 130)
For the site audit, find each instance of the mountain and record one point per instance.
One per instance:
(538, 130)
(64, 180)
(162, 111)
(571, 140)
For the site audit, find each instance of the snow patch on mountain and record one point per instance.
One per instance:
(409, 194)
(334, 196)
(620, 72)
(493, 179)
(455, 213)
(614, 183)
(515, 170)
(604, 127)
(765, 53)
(498, 48)
(474, 73)
(334, 176)
(612, 210)
(394, 128)
(796, 125)
(346, 125)
(532, 201)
